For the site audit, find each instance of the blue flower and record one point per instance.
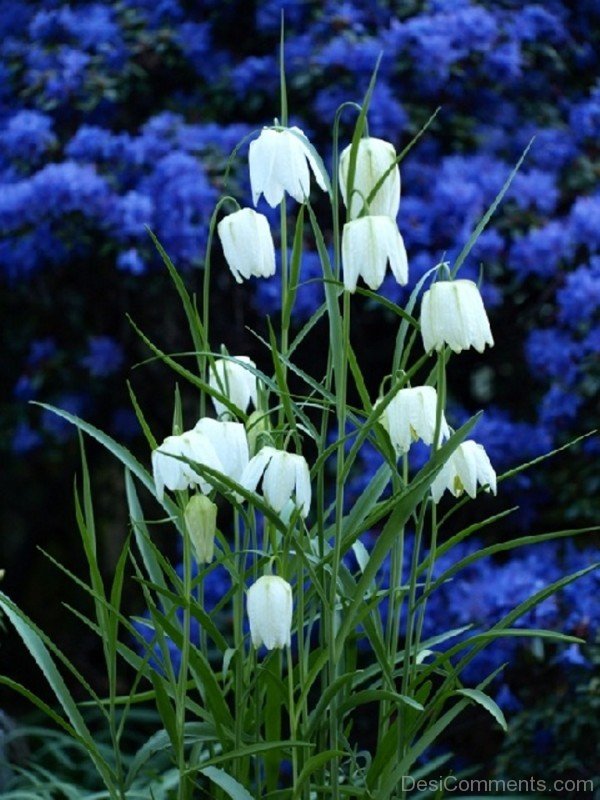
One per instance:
(535, 189)
(25, 439)
(559, 407)
(104, 357)
(256, 73)
(552, 353)
(27, 137)
(25, 388)
(58, 427)
(268, 14)
(540, 251)
(129, 215)
(585, 222)
(579, 298)
(40, 351)
(131, 261)
(584, 117)
(504, 63)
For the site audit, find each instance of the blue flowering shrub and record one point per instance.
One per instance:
(109, 124)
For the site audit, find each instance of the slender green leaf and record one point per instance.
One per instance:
(229, 785)
(486, 702)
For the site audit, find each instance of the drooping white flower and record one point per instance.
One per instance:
(221, 446)
(374, 157)
(201, 523)
(231, 378)
(247, 244)
(279, 162)
(269, 605)
(169, 471)
(410, 415)
(173, 473)
(452, 313)
(286, 476)
(229, 442)
(368, 243)
(468, 466)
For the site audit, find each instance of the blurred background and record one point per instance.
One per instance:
(121, 115)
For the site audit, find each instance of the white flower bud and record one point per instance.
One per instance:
(247, 244)
(286, 476)
(374, 157)
(231, 378)
(201, 523)
(410, 415)
(279, 162)
(269, 606)
(468, 466)
(452, 313)
(368, 244)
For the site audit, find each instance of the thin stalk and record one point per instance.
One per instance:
(238, 634)
(292, 714)
(206, 294)
(341, 393)
(394, 599)
(284, 345)
(184, 781)
(412, 593)
(441, 402)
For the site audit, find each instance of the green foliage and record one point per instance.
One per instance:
(226, 717)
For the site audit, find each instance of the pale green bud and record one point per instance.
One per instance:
(257, 425)
(201, 523)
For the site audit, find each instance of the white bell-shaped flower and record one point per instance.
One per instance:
(269, 605)
(231, 378)
(285, 477)
(229, 442)
(410, 415)
(279, 162)
(247, 244)
(374, 157)
(368, 243)
(468, 466)
(452, 313)
(171, 472)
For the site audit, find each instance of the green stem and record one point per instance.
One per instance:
(206, 294)
(335, 668)
(284, 291)
(184, 784)
(441, 402)
(292, 714)
(238, 643)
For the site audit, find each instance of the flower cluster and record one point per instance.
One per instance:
(75, 167)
